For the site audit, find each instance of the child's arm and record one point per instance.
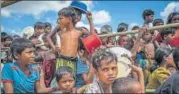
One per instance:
(8, 87)
(90, 20)
(40, 84)
(139, 72)
(156, 43)
(88, 78)
(82, 89)
(136, 46)
(49, 37)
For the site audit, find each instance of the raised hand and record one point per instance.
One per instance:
(142, 30)
(89, 16)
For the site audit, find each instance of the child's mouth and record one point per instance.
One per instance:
(111, 78)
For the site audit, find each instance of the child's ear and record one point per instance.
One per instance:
(69, 19)
(16, 55)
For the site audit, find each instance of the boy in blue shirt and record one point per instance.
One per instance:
(22, 76)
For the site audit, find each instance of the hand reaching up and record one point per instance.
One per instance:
(89, 16)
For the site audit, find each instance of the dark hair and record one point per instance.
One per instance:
(3, 35)
(47, 24)
(160, 53)
(19, 45)
(103, 55)
(123, 85)
(153, 67)
(147, 12)
(135, 27)
(176, 57)
(166, 32)
(39, 25)
(78, 12)
(16, 36)
(171, 15)
(8, 37)
(68, 12)
(157, 21)
(62, 71)
(122, 26)
(106, 28)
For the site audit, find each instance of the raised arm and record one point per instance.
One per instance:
(40, 84)
(90, 20)
(137, 43)
(140, 75)
(88, 78)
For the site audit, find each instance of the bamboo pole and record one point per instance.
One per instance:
(136, 31)
(8, 2)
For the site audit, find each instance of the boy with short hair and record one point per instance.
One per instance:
(48, 27)
(65, 78)
(105, 64)
(38, 28)
(22, 76)
(69, 38)
(148, 17)
(167, 36)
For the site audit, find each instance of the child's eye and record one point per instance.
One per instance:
(105, 69)
(114, 68)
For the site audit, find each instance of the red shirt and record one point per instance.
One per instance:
(175, 42)
(158, 38)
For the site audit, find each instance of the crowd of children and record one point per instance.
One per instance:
(57, 61)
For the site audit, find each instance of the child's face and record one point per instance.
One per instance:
(149, 18)
(111, 40)
(175, 19)
(104, 40)
(27, 56)
(63, 21)
(123, 40)
(107, 72)
(147, 36)
(39, 31)
(170, 60)
(48, 29)
(66, 83)
(7, 42)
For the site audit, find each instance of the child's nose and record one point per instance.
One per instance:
(67, 83)
(33, 55)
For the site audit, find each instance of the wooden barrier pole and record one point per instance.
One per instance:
(136, 31)
(8, 2)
